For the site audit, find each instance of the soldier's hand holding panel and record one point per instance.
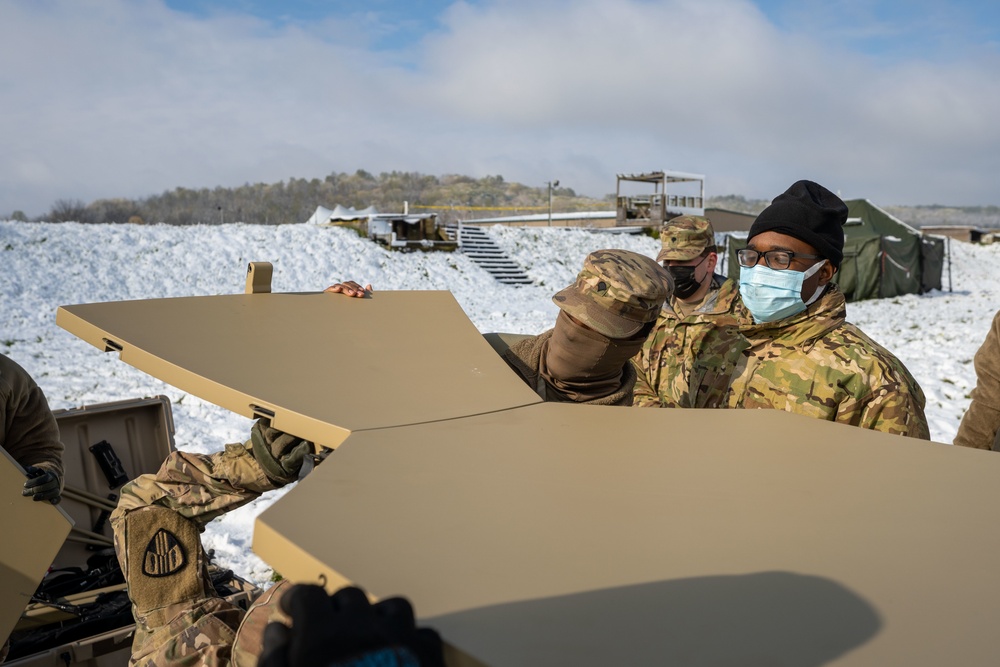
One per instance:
(279, 454)
(42, 485)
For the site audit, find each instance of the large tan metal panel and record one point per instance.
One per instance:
(32, 533)
(323, 364)
(568, 534)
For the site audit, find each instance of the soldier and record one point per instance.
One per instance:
(980, 426)
(180, 619)
(29, 432)
(803, 356)
(688, 358)
(604, 318)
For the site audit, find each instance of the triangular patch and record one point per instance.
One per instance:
(164, 555)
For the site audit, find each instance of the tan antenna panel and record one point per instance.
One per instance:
(33, 533)
(321, 365)
(586, 535)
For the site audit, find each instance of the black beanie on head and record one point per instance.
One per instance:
(809, 212)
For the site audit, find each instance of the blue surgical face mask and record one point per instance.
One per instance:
(771, 295)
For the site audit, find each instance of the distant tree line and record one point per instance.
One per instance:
(293, 201)
(451, 196)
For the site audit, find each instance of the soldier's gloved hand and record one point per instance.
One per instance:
(345, 630)
(42, 485)
(279, 454)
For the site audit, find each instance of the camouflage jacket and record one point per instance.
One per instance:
(817, 364)
(980, 426)
(200, 629)
(28, 431)
(687, 361)
(524, 357)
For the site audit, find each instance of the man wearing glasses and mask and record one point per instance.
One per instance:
(690, 355)
(803, 356)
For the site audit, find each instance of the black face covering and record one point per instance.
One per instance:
(684, 281)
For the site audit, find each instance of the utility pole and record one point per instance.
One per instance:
(552, 184)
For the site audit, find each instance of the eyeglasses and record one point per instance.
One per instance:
(775, 259)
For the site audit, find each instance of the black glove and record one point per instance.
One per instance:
(42, 485)
(279, 454)
(345, 630)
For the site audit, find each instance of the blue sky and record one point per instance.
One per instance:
(891, 30)
(390, 24)
(893, 101)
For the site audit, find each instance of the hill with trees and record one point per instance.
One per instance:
(452, 197)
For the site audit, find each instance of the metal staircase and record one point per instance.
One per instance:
(477, 244)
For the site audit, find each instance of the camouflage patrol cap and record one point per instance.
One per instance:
(685, 237)
(616, 293)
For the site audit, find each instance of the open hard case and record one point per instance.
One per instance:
(80, 614)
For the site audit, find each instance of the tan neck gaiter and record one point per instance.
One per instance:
(582, 364)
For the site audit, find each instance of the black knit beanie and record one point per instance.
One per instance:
(809, 212)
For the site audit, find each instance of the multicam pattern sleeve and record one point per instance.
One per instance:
(643, 394)
(199, 628)
(199, 487)
(687, 362)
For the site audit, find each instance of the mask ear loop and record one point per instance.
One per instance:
(809, 273)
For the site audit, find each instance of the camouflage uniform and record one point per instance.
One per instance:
(688, 358)
(180, 620)
(817, 364)
(980, 426)
(605, 312)
(687, 361)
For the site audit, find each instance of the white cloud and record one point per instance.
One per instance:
(117, 98)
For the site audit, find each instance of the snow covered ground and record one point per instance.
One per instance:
(48, 265)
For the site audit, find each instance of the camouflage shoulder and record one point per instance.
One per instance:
(729, 298)
(853, 345)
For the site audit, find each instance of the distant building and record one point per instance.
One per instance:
(965, 233)
(399, 231)
(724, 220)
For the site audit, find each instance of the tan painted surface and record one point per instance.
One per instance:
(565, 534)
(32, 534)
(324, 364)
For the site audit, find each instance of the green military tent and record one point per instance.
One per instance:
(883, 256)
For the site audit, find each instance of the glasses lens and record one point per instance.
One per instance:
(778, 259)
(747, 257)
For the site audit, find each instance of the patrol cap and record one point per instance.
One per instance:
(685, 237)
(616, 293)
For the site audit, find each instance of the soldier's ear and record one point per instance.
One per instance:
(826, 273)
